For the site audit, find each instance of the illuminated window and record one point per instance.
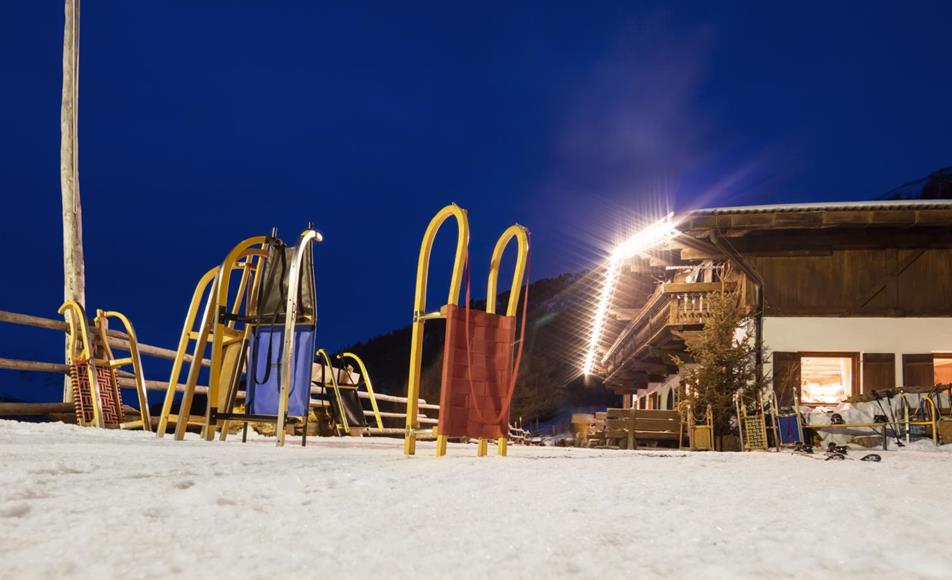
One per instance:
(825, 380)
(942, 367)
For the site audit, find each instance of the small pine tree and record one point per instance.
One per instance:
(726, 363)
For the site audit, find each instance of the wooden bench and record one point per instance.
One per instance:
(638, 426)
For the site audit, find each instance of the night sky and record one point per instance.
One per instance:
(202, 123)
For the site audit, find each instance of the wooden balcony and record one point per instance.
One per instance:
(671, 308)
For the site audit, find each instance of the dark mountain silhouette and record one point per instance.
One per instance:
(549, 378)
(936, 185)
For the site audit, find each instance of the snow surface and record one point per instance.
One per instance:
(86, 502)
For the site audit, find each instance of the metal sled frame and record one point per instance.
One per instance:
(218, 325)
(420, 315)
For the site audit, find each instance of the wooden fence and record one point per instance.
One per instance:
(119, 340)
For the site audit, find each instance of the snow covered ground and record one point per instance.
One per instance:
(85, 502)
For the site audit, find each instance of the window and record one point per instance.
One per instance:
(827, 379)
(942, 368)
(927, 369)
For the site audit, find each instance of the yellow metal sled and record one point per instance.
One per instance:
(420, 315)
(93, 370)
(218, 328)
(752, 425)
(224, 327)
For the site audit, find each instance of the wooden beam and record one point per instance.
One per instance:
(34, 321)
(39, 409)
(656, 368)
(26, 365)
(116, 338)
(625, 313)
(683, 287)
(28, 409)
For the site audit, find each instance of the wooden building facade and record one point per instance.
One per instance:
(846, 298)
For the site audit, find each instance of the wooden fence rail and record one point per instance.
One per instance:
(120, 340)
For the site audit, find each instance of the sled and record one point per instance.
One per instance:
(204, 289)
(134, 361)
(93, 370)
(224, 327)
(921, 421)
(751, 424)
(788, 424)
(363, 377)
(700, 434)
(340, 388)
(283, 332)
(479, 373)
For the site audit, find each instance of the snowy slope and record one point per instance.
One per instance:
(84, 502)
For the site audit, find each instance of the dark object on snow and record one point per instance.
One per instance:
(837, 419)
(804, 448)
(880, 419)
(835, 457)
(874, 457)
(834, 448)
(353, 410)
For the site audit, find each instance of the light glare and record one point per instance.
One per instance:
(647, 238)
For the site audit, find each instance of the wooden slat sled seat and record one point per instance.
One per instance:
(634, 427)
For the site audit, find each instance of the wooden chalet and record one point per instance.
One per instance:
(847, 298)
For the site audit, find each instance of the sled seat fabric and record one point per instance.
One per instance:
(635, 426)
(264, 373)
(477, 378)
(789, 429)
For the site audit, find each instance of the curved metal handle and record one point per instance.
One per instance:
(521, 235)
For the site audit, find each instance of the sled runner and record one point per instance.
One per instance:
(479, 372)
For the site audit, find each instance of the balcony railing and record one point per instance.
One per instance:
(673, 304)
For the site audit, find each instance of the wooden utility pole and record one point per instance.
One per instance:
(74, 271)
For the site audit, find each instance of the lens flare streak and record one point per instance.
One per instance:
(644, 240)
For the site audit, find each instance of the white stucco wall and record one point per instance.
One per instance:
(873, 335)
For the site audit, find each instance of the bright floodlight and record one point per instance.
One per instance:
(647, 238)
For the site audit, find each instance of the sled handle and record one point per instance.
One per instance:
(521, 235)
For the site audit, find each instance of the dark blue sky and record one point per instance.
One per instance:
(202, 123)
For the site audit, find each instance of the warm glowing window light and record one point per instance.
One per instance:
(647, 238)
(825, 380)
